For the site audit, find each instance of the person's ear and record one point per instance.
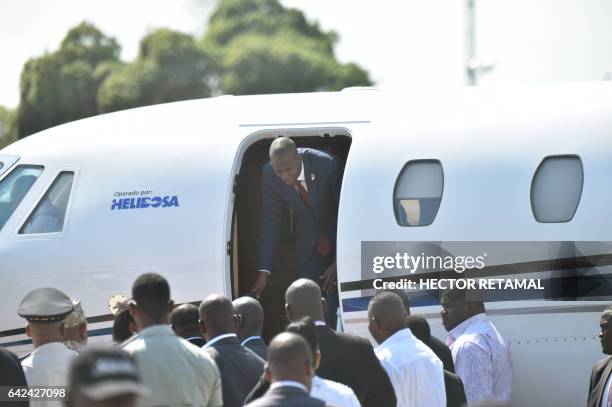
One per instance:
(324, 305)
(267, 374)
(132, 310)
(28, 330)
(202, 325)
(289, 312)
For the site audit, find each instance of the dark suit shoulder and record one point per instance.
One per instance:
(443, 352)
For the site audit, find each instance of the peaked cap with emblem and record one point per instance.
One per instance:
(45, 305)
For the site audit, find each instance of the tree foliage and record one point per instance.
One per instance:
(8, 129)
(62, 86)
(170, 67)
(264, 47)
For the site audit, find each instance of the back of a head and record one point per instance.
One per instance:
(404, 296)
(419, 327)
(252, 314)
(185, 316)
(121, 326)
(288, 356)
(389, 310)
(217, 312)
(151, 293)
(304, 299)
(306, 328)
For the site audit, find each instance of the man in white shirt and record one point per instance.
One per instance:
(49, 363)
(482, 358)
(415, 371)
(177, 372)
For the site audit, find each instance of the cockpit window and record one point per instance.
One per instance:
(1, 165)
(48, 217)
(14, 187)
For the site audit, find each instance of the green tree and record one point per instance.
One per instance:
(170, 67)
(62, 86)
(263, 47)
(8, 130)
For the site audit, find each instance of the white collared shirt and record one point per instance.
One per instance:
(48, 365)
(176, 372)
(302, 178)
(415, 371)
(288, 383)
(482, 359)
(217, 339)
(333, 393)
(250, 338)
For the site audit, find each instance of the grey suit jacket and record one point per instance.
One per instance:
(259, 347)
(240, 369)
(599, 377)
(287, 396)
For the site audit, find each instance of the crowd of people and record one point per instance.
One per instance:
(214, 354)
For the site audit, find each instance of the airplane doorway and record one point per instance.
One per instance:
(247, 219)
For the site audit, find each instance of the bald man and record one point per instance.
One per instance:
(290, 370)
(240, 368)
(308, 181)
(249, 323)
(345, 358)
(415, 371)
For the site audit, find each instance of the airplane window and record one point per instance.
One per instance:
(556, 188)
(48, 217)
(418, 192)
(14, 187)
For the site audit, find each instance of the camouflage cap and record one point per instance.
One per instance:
(76, 317)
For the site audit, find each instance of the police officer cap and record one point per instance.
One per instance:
(45, 305)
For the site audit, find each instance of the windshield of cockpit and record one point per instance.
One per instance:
(14, 187)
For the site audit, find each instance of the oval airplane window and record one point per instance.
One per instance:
(418, 192)
(556, 188)
(48, 217)
(14, 187)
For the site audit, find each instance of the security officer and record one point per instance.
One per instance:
(49, 363)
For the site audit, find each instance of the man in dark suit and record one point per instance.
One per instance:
(309, 182)
(11, 374)
(420, 328)
(239, 367)
(345, 358)
(290, 371)
(184, 320)
(249, 322)
(455, 394)
(600, 376)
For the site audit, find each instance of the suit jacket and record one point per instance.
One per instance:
(322, 177)
(455, 394)
(11, 374)
(443, 352)
(350, 360)
(287, 396)
(258, 346)
(239, 367)
(599, 377)
(197, 341)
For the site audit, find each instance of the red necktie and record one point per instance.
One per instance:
(323, 244)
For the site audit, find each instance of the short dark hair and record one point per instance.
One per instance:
(151, 293)
(185, 315)
(306, 328)
(121, 326)
(419, 327)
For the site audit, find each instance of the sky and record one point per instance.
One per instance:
(402, 43)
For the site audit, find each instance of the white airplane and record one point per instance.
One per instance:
(518, 176)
